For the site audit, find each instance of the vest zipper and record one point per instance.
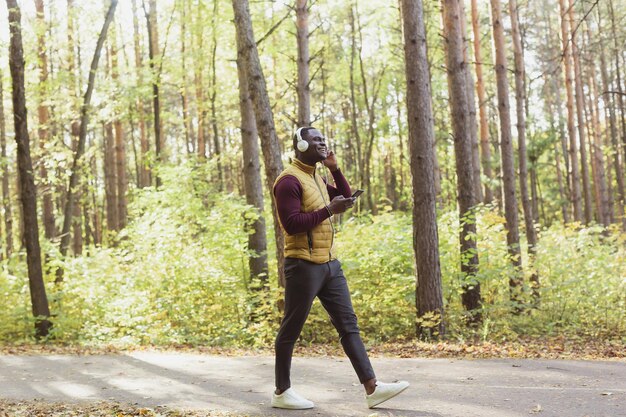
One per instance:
(332, 227)
(309, 238)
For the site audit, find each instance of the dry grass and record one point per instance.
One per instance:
(528, 348)
(96, 409)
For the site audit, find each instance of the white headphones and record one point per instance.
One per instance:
(302, 144)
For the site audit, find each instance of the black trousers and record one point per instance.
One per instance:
(303, 282)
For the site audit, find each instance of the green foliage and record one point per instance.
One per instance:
(179, 275)
(583, 292)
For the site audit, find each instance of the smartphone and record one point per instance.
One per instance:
(357, 193)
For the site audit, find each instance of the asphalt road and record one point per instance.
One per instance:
(439, 387)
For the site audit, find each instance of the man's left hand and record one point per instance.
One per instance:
(331, 161)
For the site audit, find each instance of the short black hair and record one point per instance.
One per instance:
(295, 136)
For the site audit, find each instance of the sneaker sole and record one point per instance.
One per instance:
(292, 408)
(387, 399)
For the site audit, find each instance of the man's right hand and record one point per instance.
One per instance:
(340, 204)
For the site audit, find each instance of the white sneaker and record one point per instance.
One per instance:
(384, 392)
(291, 400)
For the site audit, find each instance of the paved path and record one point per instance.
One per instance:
(439, 387)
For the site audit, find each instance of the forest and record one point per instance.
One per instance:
(140, 141)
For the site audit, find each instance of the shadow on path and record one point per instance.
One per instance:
(439, 387)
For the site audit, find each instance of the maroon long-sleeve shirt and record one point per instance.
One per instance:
(288, 193)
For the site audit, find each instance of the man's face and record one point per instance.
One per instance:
(317, 145)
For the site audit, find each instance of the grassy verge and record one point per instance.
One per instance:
(528, 348)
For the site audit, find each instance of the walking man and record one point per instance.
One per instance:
(305, 206)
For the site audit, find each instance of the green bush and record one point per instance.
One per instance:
(178, 274)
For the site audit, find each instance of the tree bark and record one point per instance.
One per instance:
(190, 139)
(198, 65)
(597, 156)
(257, 241)
(119, 148)
(370, 107)
(428, 292)
(596, 142)
(471, 100)
(213, 98)
(520, 100)
(354, 107)
(110, 180)
(461, 132)
(153, 51)
(143, 177)
(508, 164)
(248, 53)
(6, 192)
(74, 69)
(82, 137)
(302, 36)
(617, 51)
(557, 158)
(485, 146)
(565, 205)
(608, 104)
(571, 131)
(28, 192)
(580, 115)
(43, 128)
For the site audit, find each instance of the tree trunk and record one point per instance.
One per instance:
(44, 116)
(557, 159)
(302, 36)
(461, 132)
(534, 191)
(77, 225)
(248, 53)
(520, 100)
(508, 164)
(370, 107)
(471, 101)
(391, 183)
(119, 148)
(198, 66)
(6, 192)
(608, 104)
(74, 69)
(188, 125)
(97, 212)
(153, 51)
(110, 180)
(598, 155)
(257, 241)
(354, 108)
(143, 178)
(580, 114)
(428, 292)
(28, 193)
(213, 99)
(80, 149)
(619, 101)
(563, 143)
(596, 141)
(573, 150)
(617, 51)
(201, 128)
(398, 100)
(485, 146)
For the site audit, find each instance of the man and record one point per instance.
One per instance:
(305, 206)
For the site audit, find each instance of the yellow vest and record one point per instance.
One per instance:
(316, 244)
